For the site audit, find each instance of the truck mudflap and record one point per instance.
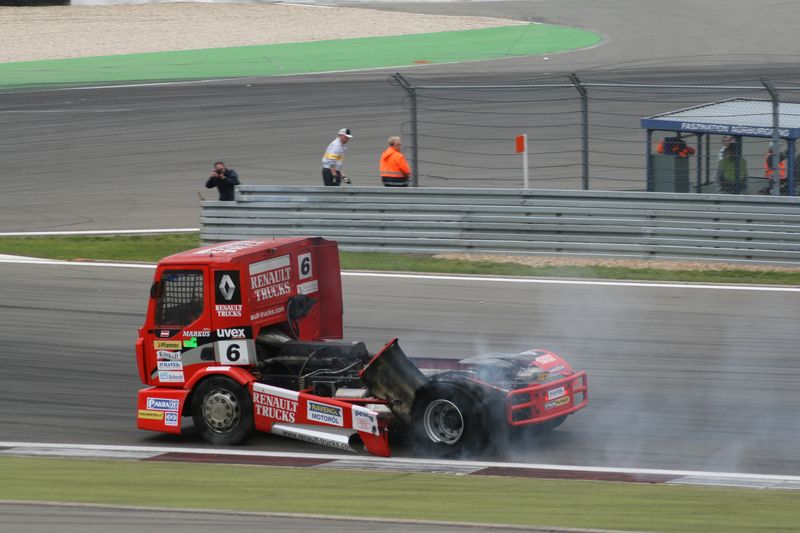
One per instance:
(317, 419)
(547, 401)
(160, 408)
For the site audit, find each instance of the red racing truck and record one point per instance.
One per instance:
(246, 336)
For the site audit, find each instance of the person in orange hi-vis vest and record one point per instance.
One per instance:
(768, 168)
(394, 167)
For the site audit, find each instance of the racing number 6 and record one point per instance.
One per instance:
(304, 266)
(233, 352)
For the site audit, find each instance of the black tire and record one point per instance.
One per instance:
(222, 411)
(447, 420)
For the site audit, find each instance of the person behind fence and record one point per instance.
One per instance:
(732, 171)
(726, 140)
(674, 146)
(224, 179)
(769, 169)
(394, 167)
(333, 159)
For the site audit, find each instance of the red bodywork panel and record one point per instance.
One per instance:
(159, 409)
(209, 305)
(240, 288)
(276, 406)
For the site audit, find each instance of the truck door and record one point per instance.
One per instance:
(233, 335)
(181, 324)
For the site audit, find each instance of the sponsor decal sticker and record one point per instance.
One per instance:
(167, 345)
(545, 359)
(170, 365)
(308, 287)
(163, 355)
(233, 310)
(171, 418)
(273, 406)
(324, 413)
(197, 333)
(162, 404)
(231, 333)
(365, 420)
(190, 343)
(556, 393)
(217, 368)
(227, 292)
(270, 279)
(170, 376)
(164, 333)
(147, 414)
(556, 403)
(313, 439)
(267, 313)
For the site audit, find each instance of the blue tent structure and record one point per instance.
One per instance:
(738, 117)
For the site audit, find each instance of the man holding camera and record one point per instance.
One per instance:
(224, 179)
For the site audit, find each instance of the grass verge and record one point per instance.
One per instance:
(151, 248)
(301, 58)
(584, 504)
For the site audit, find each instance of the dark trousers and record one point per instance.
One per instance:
(329, 179)
(394, 182)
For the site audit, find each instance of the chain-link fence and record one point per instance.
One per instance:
(581, 134)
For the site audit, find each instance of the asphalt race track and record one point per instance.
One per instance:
(139, 155)
(31, 518)
(684, 378)
(680, 378)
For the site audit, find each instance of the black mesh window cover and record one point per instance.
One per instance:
(181, 301)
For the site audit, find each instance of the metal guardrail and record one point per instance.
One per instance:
(533, 222)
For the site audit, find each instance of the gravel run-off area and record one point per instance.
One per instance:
(58, 32)
(658, 264)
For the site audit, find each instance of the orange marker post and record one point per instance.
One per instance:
(522, 148)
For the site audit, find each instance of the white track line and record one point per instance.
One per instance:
(442, 277)
(98, 232)
(577, 282)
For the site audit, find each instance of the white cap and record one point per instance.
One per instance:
(346, 133)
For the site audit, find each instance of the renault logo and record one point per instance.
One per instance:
(226, 287)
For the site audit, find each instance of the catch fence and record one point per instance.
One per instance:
(582, 134)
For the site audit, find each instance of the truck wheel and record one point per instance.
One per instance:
(222, 411)
(448, 420)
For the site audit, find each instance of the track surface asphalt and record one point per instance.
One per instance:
(679, 378)
(139, 155)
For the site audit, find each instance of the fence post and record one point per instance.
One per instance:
(412, 95)
(584, 129)
(775, 189)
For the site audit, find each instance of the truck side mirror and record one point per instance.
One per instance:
(156, 289)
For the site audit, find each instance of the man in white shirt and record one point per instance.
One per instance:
(333, 159)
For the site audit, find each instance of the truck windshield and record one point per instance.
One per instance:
(181, 300)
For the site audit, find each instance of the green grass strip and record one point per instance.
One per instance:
(151, 248)
(620, 506)
(299, 58)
